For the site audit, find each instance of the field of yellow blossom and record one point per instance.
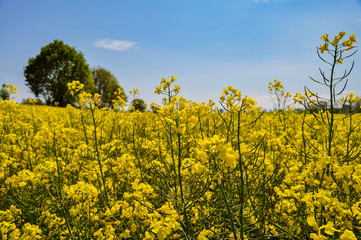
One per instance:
(183, 171)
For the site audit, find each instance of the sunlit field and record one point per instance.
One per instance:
(184, 170)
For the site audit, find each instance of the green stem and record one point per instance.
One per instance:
(184, 207)
(241, 194)
(330, 132)
(230, 213)
(136, 152)
(98, 157)
(60, 186)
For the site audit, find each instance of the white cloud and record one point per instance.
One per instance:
(258, 1)
(358, 20)
(113, 44)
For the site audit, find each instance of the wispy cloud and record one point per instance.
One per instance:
(358, 20)
(259, 1)
(114, 44)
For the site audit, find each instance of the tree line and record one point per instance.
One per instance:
(58, 64)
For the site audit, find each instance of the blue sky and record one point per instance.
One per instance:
(207, 44)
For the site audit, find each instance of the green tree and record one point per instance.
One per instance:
(106, 84)
(49, 72)
(139, 105)
(4, 92)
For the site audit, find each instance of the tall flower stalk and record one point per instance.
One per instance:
(338, 52)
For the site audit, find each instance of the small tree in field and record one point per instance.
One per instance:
(106, 84)
(139, 105)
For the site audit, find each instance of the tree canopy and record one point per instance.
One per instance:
(139, 105)
(49, 72)
(106, 84)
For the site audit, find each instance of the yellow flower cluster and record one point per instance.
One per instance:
(335, 42)
(165, 85)
(276, 85)
(75, 86)
(9, 89)
(134, 91)
(119, 100)
(351, 98)
(231, 100)
(299, 98)
(31, 100)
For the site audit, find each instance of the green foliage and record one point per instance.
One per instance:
(106, 85)
(49, 72)
(4, 93)
(139, 105)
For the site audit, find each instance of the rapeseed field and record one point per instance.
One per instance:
(185, 170)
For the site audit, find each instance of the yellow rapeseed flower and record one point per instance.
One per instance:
(348, 235)
(325, 38)
(324, 47)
